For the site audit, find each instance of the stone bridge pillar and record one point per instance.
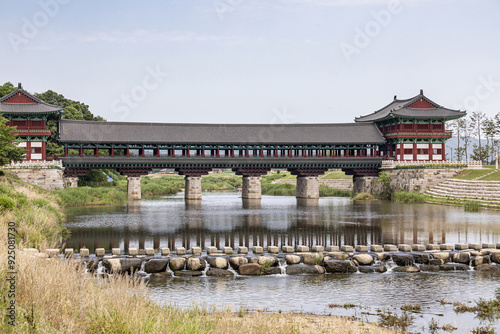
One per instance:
(250, 188)
(308, 183)
(134, 188)
(134, 180)
(192, 188)
(192, 182)
(307, 187)
(362, 184)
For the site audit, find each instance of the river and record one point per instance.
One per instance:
(222, 220)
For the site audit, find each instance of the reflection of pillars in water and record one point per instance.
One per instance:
(402, 235)
(415, 233)
(307, 202)
(247, 239)
(431, 236)
(142, 241)
(251, 203)
(111, 243)
(217, 240)
(126, 239)
(443, 236)
(156, 242)
(240, 238)
(134, 207)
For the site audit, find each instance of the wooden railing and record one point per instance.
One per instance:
(391, 164)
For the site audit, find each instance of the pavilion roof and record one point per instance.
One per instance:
(416, 107)
(22, 102)
(71, 131)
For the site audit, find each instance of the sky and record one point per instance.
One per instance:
(246, 61)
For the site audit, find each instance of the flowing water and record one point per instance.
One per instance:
(223, 220)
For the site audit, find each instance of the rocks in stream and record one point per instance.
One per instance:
(156, 266)
(340, 266)
(403, 259)
(177, 263)
(303, 269)
(217, 262)
(122, 265)
(249, 269)
(195, 263)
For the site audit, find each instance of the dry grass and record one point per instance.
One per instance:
(54, 296)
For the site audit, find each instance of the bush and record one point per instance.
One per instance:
(327, 191)
(363, 196)
(278, 189)
(472, 206)
(402, 196)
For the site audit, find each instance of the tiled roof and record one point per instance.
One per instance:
(38, 106)
(404, 108)
(71, 131)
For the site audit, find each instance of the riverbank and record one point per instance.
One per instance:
(55, 296)
(169, 184)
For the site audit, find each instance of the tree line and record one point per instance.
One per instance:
(481, 127)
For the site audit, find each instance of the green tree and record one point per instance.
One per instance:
(6, 88)
(8, 148)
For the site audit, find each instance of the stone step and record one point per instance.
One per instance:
(472, 194)
(495, 203)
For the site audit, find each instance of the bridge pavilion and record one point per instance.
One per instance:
(29, 115)
(410, 130)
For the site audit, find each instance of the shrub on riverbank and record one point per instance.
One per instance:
(92, 196)
(278, 189)
(363, 197)
(402, 196)
(327, 191)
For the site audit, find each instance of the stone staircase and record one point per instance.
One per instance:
(485, 192)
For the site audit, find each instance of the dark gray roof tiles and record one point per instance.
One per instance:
(401, 108)
(71, 131)
(38, 106)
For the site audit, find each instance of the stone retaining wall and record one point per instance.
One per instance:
(419, 180)
(287, 260)
(336, 184)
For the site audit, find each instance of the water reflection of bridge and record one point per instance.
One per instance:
(252, 234)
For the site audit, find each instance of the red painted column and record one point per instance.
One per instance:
(65, 151)
(232, 152)
(443, 153)
(414, 152)
(218, 152)
(96, 152)
(127, 152)
(143, 152)
(81, 151)
(262, 152)
(112, 152)
(44, 152)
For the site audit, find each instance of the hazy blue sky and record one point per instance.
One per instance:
(245, 61)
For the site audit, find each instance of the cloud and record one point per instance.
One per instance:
(136, 36)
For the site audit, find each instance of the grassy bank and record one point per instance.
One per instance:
(53, 296)
(402, 196)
